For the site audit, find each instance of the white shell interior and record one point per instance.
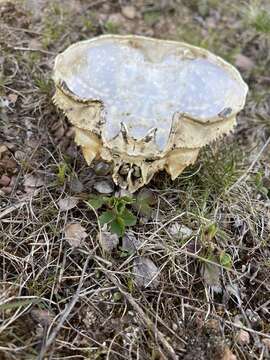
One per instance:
(145, 91)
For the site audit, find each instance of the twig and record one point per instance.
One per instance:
(65, 313)
(245, 175)
(24, 201)
(32, 49)
(96, 3)
(238, 326)
(143, 317)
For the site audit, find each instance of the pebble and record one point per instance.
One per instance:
(4, 180)
(102, 168)
(103, 187)
(129, 12)
(243, 62)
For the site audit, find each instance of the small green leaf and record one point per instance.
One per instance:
(211, 231)
(128, 218)
(225, 259)
(127, 199)
(96, 201)
(106, 217)
(120, 207)
(117, 226)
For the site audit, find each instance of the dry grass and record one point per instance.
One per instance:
(59, 302)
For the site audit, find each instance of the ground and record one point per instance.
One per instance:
(205, 237)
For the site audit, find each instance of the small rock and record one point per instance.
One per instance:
(130, 242)
(243, 62)
(75, 234)
(67, 203)
(19, 155)
(108, 241)
(76, 186)
(4, 180)
(43, 317)
(103, 187)
(129, 12)
(145, 272)
(242, 337)
(102, 168)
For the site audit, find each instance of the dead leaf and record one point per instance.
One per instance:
(75, 234)
(266, 342)
(108, 241)
(145, 272)
(67, 203)
(12, 98)
(3, 149)
(210, 274)
(242, 337)
(130, 242)
(243, 62)
(180, 231)
(43, 317)
(32, 181)
(228, 355)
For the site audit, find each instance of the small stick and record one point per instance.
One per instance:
(32, 49)
(143, 317)
(245, 175)
(24, 201)
(65, 314)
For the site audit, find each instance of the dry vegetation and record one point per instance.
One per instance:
(65, 294)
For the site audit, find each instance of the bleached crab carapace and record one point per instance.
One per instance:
(145, 104)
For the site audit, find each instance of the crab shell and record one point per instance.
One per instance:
(145, 104)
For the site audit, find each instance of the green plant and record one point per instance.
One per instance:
(63, 172)
(261, 184)
(116, 216)
(225, 259)
(261, 22)
(111, 27)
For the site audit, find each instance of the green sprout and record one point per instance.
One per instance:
(116, 215)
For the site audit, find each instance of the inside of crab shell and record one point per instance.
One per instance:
(144, 88)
